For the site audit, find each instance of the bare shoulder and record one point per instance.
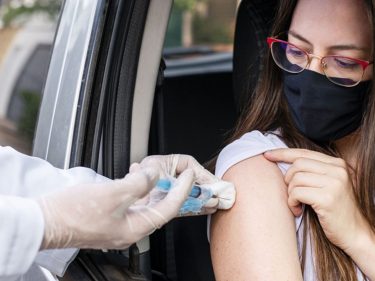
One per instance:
(260, 187)
(259, 230)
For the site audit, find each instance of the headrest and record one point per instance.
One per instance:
(254, 21)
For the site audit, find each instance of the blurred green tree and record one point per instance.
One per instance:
(13, 13)
(187, 7)
(29, 117)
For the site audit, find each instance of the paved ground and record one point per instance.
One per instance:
(10, 137)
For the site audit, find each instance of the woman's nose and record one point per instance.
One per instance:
(315, 64)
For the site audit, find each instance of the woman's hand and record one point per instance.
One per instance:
(324, 183)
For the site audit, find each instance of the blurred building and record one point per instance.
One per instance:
(23, 63)
(26, 38)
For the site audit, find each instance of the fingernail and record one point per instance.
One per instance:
(298, 211)
(152, 174)
(188, 173)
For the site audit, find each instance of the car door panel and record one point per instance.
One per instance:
(103, 62)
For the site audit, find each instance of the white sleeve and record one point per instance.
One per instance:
(21, 233)
(27, 176)
(30, 177)
(249, 145)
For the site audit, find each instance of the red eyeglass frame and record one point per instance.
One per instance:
(363, 63)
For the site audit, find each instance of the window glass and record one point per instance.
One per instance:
(27, 30)
(199, 27)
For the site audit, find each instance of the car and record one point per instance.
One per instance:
(117, 88)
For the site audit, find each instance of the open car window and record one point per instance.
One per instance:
(199, 28)
(193, 110)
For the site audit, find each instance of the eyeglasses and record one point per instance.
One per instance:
(343, 71)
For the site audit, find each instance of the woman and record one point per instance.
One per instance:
(316, 98)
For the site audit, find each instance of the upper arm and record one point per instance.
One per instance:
(256, 239)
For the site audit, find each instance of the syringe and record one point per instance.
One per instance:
(166, 184)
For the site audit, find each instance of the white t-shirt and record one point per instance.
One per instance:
(253, 144)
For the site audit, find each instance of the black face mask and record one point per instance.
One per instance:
(323, 111)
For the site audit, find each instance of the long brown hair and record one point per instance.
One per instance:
(267, 111)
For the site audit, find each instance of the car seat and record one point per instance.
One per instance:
(254, 22)
(191, 115)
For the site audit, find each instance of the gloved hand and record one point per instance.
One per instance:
(110, 215)
(172, 165)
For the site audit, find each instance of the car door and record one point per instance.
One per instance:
(194, 109)
(97, 104)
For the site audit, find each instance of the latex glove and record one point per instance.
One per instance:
(110, 215)
(172, 165)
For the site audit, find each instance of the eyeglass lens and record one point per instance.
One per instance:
(340, 70)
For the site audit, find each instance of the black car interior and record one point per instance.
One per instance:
(193, 115)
